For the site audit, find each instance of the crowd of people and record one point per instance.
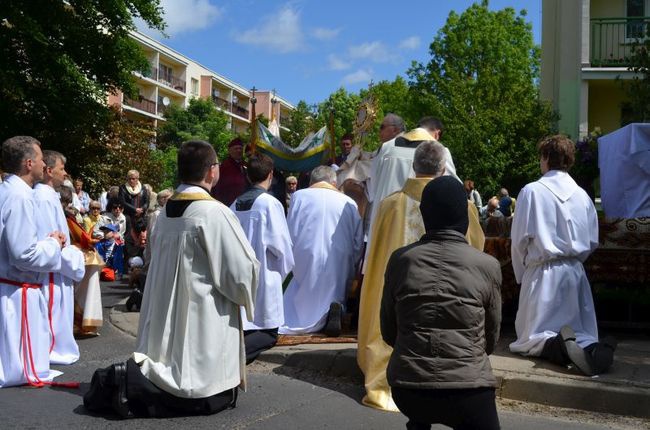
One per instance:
(218, 249)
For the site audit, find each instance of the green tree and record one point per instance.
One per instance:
(637, 89)
(482, 82)
(300, 123)
(200, 120)
(58, 62)
(344, 105)
(123, 146)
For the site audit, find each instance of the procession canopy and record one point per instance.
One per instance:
(311, 152)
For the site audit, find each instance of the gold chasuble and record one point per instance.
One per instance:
(398, 223)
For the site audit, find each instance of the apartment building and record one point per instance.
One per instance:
(176, 79)
(585, 55)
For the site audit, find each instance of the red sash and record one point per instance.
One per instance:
(26, 341)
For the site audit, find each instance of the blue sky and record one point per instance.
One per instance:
(306, 49)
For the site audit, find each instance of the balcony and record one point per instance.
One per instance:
(221, 103)
(240, 111)
(141, 103)
(167, 80)
(612, 39)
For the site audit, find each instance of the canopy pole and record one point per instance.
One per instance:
(330, 126)
(253, 122)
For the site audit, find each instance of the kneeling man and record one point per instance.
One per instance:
(190, 357)
(327, 235)
(262, 217)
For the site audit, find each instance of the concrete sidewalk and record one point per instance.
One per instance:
(625, 390)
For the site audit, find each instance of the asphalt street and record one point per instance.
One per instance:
(278, 398)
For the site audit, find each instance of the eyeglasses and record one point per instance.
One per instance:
(383, 126)
(134, 178)
(95, 209)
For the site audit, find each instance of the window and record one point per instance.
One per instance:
(165, 73)
(635, 27)
(195, 87)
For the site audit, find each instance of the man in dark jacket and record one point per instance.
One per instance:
(441, 311)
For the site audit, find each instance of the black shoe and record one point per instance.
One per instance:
(578, 356)
(602, 354)
(333, 324)
(120, 402)
(135, 300)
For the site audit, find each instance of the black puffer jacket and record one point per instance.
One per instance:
(441, 312)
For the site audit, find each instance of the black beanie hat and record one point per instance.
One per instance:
(444, 205)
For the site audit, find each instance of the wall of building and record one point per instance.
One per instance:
(607, 8)
(561, 61)
(605, 99)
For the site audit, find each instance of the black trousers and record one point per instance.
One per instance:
(471, 408)
(129, 391)
(258, 341)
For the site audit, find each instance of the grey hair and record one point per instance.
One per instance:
(50, 157)
(17, 149)
(163, 196)
(395, 120)
(322, 174)
(429, 158)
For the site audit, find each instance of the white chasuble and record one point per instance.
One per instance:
(554, 230)
(190, 340)
(327, 236)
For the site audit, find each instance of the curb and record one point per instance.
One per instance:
(626, 397)
(574, 393)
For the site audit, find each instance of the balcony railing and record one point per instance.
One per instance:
(142, 104)
(238, 110)
(221, 103)
(169, 81)
(612, 39)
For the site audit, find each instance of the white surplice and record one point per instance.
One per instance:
(190, 342)
(554, 230)
(327, 235)
(51, 218)
(23, 258)
(266, 228)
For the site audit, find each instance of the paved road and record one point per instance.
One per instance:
(278, 398)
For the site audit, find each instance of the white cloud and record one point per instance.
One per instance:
(280, 32)
(321, 33)
(361, 75)
(336, 63)
(373, 51)
(189, 15)
(412, 42)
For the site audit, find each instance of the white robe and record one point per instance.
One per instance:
(190, 343)
(554, 230)
(266, 229)
(52, 218)
(23, 258)
(327, 235)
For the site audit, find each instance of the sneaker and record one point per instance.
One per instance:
(333, 324)
(578, 356)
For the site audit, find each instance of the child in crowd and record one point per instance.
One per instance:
(111, 248)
